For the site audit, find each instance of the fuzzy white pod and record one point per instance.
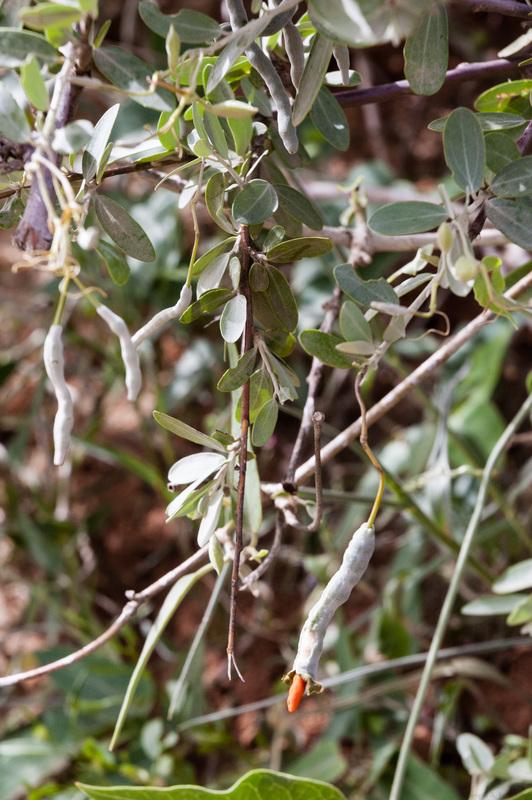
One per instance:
(354, 564)
(130, 357)
(162, 318)
(54, 364)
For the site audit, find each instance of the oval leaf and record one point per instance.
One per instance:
(298, 206)
(13, 122)
(515, 578)
(195, 467)
(254, 203)
(426, 52)
(123, 229)
(207, 303)
(265, 423)
(514, 180)
(413, 216)
(114, 261)
(322, 346)
(296, 249)
(353, 324)
(235, 377)
(233, 319)
(513, 218)
(312, 78)
(329, 118)
(192, 27)
(16, 45)
(131, 74)
(185, 431)
(463, 145)
(363, 292)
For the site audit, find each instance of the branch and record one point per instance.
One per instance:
(450, 598)
(508, 8)
(421, 373)
(378, 243)
(135, 601)
(464, 72)
(247, 344)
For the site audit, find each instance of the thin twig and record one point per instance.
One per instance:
(418, 375)
(363, 438)
(313, 380)
(135, 600)
(450, 598)
(508, 8)
(464, 72)
(251, 579)
(247, 344)
(362, 672)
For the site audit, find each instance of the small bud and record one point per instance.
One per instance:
(88, 238)
(445, 237)
(173, 49)
(465, 268)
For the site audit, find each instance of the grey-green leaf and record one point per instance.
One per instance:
(322, 346)
(99, 140)
(465, 153)
(275, 307)
(171, 602)
(412, 216)
(296, 249)
(184, 431)
(260, 784)
(513, 218)
(214, 200)
(492, 605)
(123, 229)
(514, 180)
(235, 377)
(515, 578)
(33, 84)
(255, 203)
(312, 78)
(125, 70)
(329, 118)
(489, 121)
(192, 27)
(13, 122)
(115, 262)
(235, 47)
(233, 319)
(363, 292)
(209, 302)
(353, 324)
(426, 52)
(16, 45)
(298, 206)
(501, 150)
(265, 423)
(209, 255)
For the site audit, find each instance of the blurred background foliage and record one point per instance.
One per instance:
(73, 541)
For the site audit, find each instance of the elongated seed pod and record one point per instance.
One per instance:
(130, 357)
(54, 364)
(262, 63)
(354, 563)
(162, 318)
(293, 44)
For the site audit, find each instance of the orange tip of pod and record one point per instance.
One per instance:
(295, 693)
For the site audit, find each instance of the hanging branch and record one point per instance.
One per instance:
(135, 601)
(247, 344)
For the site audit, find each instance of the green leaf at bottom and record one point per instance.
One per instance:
(260, 784)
